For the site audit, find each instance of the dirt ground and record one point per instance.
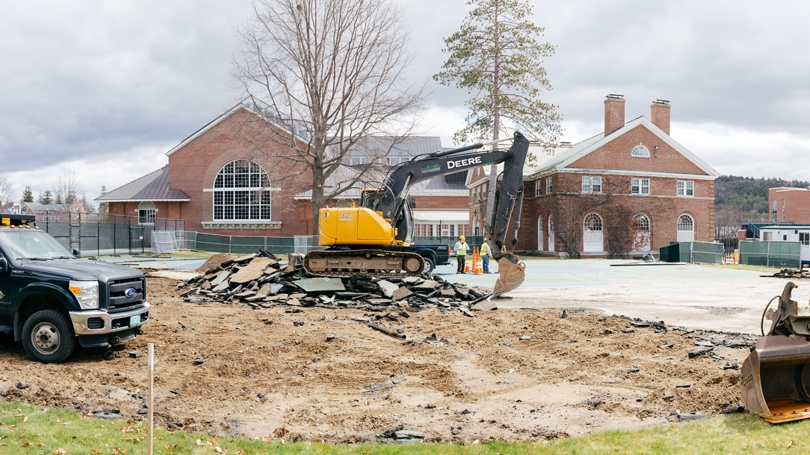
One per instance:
(322, 374)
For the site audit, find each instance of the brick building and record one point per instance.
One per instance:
(236, 177)
(627, 190)
(789, 205)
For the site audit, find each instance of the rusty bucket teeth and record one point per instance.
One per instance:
(512, 276)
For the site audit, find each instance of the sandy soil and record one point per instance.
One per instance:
(228, 369)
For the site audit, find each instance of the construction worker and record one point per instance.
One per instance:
(485, 252)
(461, 248)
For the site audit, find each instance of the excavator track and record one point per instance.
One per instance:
(378, 263)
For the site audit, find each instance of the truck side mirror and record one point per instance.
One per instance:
(76, 252)
(3, 265)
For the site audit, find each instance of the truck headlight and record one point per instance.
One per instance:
(86, 293)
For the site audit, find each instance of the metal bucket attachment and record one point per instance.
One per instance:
(512, 276)
(775, 379)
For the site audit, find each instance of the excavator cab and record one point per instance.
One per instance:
(775, 377)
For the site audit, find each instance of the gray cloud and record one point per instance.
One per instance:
(103, 81)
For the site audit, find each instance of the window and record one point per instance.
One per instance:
(686, 188)
(773, 210)
(804, 238)
(242, 192)
(591, 184)
(640, 151)
(640, 186)
(537, 185)
(641, 223)
(783, 210)
(548, 185)
(146, 213)
(685, 223)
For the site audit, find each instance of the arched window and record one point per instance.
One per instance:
(641, 223)
(242, 192)
(146, 212)
(686, 228)
(593, 222)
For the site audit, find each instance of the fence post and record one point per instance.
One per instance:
(768, 255)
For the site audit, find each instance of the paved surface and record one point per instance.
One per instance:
(696, 296)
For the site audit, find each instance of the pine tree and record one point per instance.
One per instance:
(46, 198)
(28, 195)
(497, 57)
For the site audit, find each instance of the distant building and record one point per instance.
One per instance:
(789, 205)
(631, 188)
(219, 182)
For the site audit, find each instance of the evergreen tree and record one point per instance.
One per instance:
(46, 198)
(497, 57)
(28, 195)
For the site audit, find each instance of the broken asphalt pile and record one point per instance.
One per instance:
(260, 281)
(790, 273)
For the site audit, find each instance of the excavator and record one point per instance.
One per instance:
(775, 377)
(375, 237)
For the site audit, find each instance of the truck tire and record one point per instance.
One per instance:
(48, 336)
(429, 265)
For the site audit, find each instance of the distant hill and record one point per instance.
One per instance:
(738, 198)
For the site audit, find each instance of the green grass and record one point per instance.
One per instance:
(27, 429)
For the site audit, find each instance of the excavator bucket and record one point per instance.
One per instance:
(512, 276)
(775, 377)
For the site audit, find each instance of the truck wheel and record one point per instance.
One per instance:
(429, 266)
(48, 336)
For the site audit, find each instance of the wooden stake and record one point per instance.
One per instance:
(151, 398)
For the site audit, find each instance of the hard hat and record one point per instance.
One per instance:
(461, 237)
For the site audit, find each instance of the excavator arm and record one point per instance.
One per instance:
(391, 199)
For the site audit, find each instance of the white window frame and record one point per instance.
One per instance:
(236, 193)
(537, 187)
(591, 184)
(146, 213)
(640, 151)
(686, 188)
(639, 186)
(548, 185)
(804, 238)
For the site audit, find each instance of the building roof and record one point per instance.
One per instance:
(375, 146)
(151, 187)
(564, 156)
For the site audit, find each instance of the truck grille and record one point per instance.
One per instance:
(118, 300)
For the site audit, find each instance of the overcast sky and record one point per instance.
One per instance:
(104, 89)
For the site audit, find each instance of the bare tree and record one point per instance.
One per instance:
(333, 70)
(5, 189)
(66, 190)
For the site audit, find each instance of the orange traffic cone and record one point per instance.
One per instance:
(467, 265)
(479, 269)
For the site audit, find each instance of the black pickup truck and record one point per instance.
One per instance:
(49, 298)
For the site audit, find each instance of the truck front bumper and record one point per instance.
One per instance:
(98, 322)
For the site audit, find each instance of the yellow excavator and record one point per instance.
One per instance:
(375, 238)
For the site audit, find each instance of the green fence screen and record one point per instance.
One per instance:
(704, 252)
(771, 254)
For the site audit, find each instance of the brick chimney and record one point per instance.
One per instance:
(659, 114)
(614, 113)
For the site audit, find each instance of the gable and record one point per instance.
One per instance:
(615, 154)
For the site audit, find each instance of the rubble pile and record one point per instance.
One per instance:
(260, 281)
(791, 273)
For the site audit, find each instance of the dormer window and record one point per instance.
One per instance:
(640, 151)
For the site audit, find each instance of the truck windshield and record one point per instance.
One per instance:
(25, 244)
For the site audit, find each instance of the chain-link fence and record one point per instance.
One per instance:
(104, 234)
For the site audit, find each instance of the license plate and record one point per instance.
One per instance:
(135, 321)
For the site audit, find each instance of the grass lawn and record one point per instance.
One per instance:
(27, 429)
